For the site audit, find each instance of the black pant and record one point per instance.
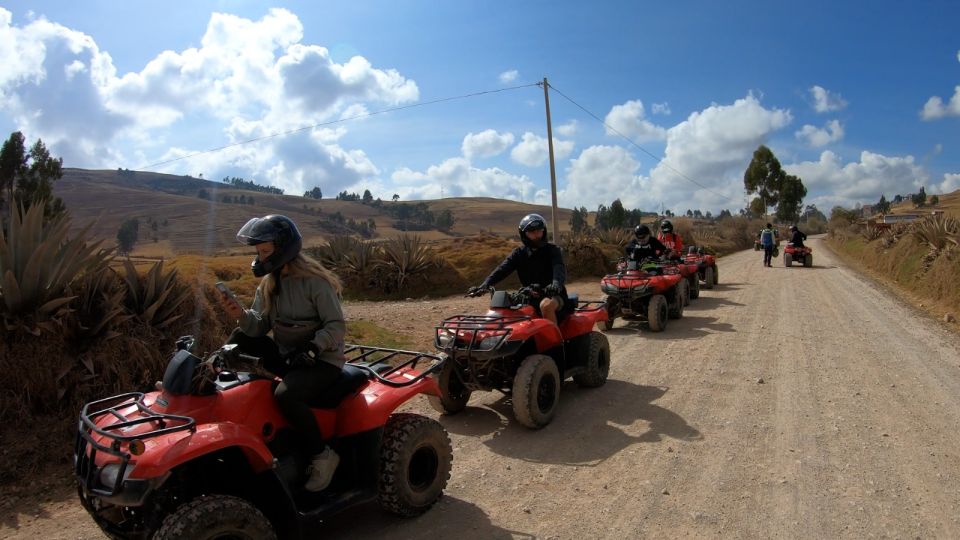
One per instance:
(298, 388)
(767, 255)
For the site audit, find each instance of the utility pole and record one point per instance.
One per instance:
(553, 169)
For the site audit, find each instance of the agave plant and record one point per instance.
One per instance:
(156, 297)
(406, 256)
(937, 232)
(615, 237)
(98, 309)
(37, 263)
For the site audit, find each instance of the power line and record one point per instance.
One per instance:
(341, 120)
(642, 149)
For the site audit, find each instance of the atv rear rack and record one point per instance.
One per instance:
(387, 364)
(85, 464)
(591, 305)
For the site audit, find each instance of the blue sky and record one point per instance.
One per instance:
(857, 99)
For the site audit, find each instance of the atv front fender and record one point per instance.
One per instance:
(370, 408)
(163, 454)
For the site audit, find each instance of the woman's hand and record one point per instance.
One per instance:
(234, 310)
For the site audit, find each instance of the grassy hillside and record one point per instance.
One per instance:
(173, 219)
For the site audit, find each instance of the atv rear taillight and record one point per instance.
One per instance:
(137, 447)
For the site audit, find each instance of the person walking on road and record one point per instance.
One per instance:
(768, 241)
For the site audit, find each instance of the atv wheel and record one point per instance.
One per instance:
(708, 278)
(716, 275)
(695, 287)
(415, 461)
(787, 260)
(612, 312)
(598, 362)
(657, 313)
(453, 395)
(536, 391)
(680, 295)
(607, 324)
(808, 260)
(216, 516)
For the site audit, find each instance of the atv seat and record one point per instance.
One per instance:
(350, 380)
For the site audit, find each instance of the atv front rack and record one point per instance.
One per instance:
(85, 464)
(392, 366)
(495, 328)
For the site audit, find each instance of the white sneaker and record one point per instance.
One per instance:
(321, 470)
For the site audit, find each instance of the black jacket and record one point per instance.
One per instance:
(798, 238)
(543, 266)
(652, 249)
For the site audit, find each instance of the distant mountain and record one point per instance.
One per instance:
(186, 214)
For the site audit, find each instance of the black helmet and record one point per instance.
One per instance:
(532, 222)
(666, 226)
(641, 230)
(692, 250)
(273, 228)
(793, 227)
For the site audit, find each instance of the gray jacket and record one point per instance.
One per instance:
(306, 309)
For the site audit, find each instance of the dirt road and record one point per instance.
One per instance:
(787, 403)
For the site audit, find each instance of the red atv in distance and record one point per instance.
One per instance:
(514, 350)
(690, 271)
(210, 455)
(706, 266)
(649, 291)
(793, 254)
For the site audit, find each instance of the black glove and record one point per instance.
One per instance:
(552, 289)
(477, 291)
(303, 357)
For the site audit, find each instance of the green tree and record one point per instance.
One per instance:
(314, 193)
(203, 194)
(600, 220)
(29, 177)
(757, 208)
(791, 194)
(934, 200)
(883, 205)
(920, 199)
(764, 176)
(578, 220)
(812, 212)
(367, 196)
(127, 235)
(617, 218)
(445, 220)
(396, 197)
(897, 199)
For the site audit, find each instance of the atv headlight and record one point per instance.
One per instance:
(445, 339)
(640, 288)
(610, 288)
(110, 473)
(489, 343)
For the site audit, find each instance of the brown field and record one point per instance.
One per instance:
(108, 198)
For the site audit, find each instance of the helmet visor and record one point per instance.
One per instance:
(257, 231)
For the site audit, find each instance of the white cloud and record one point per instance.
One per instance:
(826, 101)
(628, 119)
(712, 148)
(599, 175)
(532, 150)
(817, 137)
(935, 109)
(567, 130)
(459, 178)
(660, 108)
(246, 79)
(487, 143)
(830, 182)
(509, 76)
(951, 183)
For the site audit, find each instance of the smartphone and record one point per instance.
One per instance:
(226, 290)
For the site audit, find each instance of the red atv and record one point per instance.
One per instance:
(802, 255)
(514, 350)
(648, 290)
(212, 456)
(706, 266)
(690, 272)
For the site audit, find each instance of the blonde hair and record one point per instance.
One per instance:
(301, 266)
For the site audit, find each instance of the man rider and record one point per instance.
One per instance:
(798, 237)
(670, 239)
(536, 262)
(644, 245)
(768, 241)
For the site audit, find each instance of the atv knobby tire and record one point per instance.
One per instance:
(453, 396)
(709, 278)
(716, 275)
(415, 461)
(657, 313)
(612, 312)
(216, 516)
(536, 391)
(808, 260)
(598, 362)
(695, 287)
(679, 297)
(787, 260)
